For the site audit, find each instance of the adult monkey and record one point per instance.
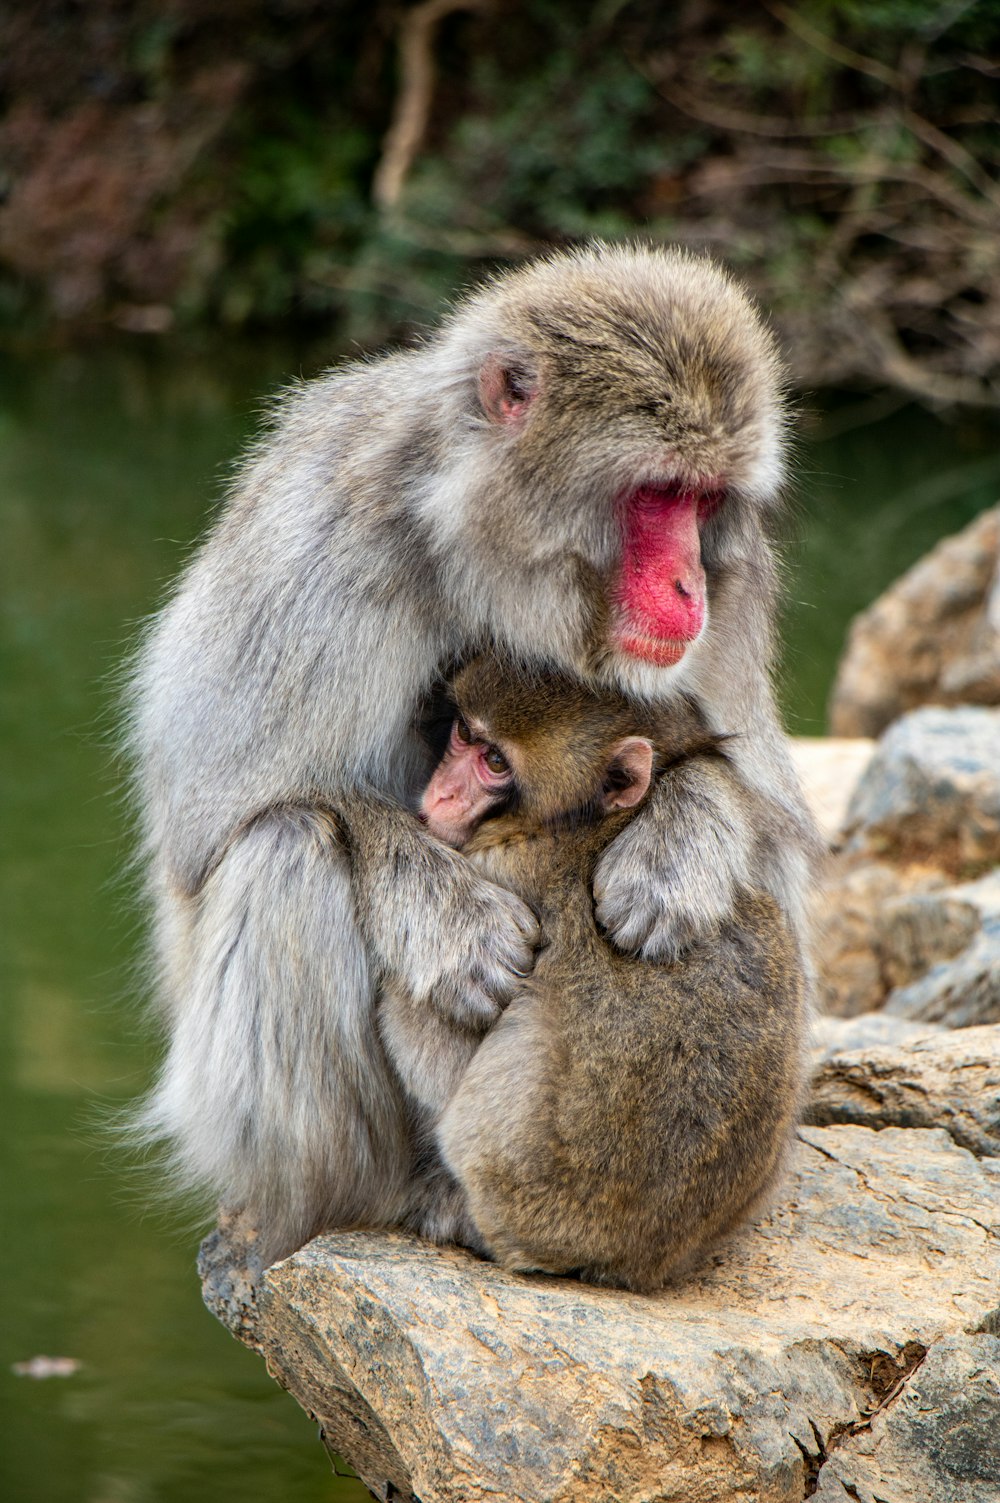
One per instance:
(577, 467)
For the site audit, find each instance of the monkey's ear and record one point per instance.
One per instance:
(507, 388)
(629, 773)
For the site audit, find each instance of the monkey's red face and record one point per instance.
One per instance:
(658, 594)
(470, 780)
(659, 598)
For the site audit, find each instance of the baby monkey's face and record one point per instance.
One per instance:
(474, 778)
(538, 778)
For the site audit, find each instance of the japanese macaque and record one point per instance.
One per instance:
(577, 467)
(623, 1113)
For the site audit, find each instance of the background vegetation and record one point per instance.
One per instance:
(298, 174)
(172, 163)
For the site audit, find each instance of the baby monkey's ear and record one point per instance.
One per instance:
(629, 772)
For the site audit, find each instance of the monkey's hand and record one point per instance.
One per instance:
(443, 932)
(469, 949)
(669, 879)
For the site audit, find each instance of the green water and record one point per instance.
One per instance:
(107, 466)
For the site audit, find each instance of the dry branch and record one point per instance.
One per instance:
(416, 91)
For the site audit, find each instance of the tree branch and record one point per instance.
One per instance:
(406, 132)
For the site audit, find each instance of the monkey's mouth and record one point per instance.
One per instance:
(660, 593)
(662, 652)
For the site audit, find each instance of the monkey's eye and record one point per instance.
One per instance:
(496, 761)
(462, 731)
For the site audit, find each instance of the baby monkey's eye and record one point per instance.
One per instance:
(462, 731)
(496, 761)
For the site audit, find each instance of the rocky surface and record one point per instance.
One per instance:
(932, 792)
(881, 928)
(960, 993)
(932, 638)
(938, 1441)
(894, 928)
(882, 1071)
(829, 770)
(791, 1365)
(911, 943)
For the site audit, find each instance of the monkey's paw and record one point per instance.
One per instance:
(655, 903)
(482, 948)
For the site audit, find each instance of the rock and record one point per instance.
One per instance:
(888, 937)
(960, 992)
(921, 929)
(829, 771)
(932, 792)
(965, 990)
(937, 1441)
(879, 927)
(230, 1272)
(890, 930)
(831, 1036)
(899, 1074)
(932, 638)
(441, 1378)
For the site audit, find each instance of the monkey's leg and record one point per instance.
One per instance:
(449, 937)
(671, 876)
(276, 1094)
(438, 1206)
(428, 1051)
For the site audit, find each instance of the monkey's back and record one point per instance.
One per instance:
(623, 1114)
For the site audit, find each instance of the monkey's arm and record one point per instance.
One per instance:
(432, 923)
(672, 875)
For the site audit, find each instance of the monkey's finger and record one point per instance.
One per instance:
(520, 915)
(635, 923)
(627, 930)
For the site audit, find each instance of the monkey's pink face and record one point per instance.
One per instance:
(660, 596)
(469, 781)
(658, 604)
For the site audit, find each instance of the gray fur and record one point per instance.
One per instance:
(381, 529)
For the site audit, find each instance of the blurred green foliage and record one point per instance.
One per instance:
(807, 143)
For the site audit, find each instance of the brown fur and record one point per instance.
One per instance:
(622, 1114)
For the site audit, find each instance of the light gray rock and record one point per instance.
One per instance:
(964, 990)
(872, 1030)
(879, 927)
(829, 770)
(932, 792)
(932, 638)
(882, 1071)
(923, 929)
(441, 1378)
(960, 992)
(903, 939)
(935, 1441)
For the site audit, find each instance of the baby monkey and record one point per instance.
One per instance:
(622, 1114)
